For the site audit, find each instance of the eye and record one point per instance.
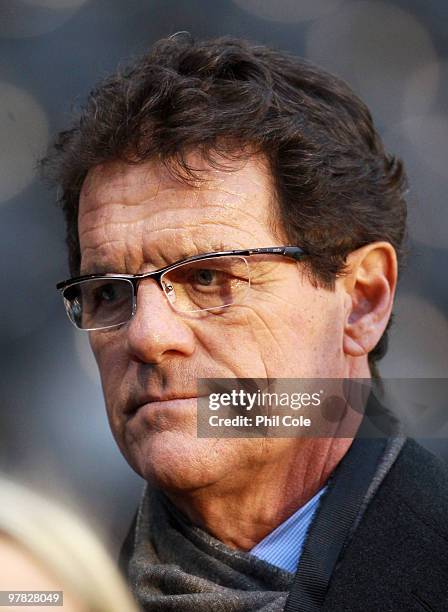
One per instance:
(108, 293)
(205, 276)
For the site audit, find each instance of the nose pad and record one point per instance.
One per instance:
(169, 291)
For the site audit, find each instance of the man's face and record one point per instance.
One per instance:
(136, 218)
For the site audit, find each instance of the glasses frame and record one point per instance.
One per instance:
(292, 252)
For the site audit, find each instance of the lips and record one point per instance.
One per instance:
(132, 407)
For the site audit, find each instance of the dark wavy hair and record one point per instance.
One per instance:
(336, 188)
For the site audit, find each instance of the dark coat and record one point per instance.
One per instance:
(397, 559)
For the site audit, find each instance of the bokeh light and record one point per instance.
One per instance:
(421, 89)
(24, 130)
(418, 341)
(422, 141)
(289, 11)
(382, 51)
(56, 4)
(28, 18)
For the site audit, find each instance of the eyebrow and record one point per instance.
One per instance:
(110, 269)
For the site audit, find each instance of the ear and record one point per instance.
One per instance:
(370, 288)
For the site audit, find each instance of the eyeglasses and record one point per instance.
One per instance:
(203, 282)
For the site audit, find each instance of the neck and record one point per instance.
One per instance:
(243, 508)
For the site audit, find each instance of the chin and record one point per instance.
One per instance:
(172, 460)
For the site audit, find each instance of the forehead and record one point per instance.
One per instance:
(132, 214)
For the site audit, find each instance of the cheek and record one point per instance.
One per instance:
(322, 336)
(228, 345)
(291, 340)
(253, 341)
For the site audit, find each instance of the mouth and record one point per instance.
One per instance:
(157, 402)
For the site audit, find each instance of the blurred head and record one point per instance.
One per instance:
(220, 145)
(44, 547)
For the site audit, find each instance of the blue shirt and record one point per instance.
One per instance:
(283, 546)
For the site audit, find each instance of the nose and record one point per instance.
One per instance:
(156, 331)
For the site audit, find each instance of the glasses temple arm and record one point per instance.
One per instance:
(288, 251)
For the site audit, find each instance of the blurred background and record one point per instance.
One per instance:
(53, 428)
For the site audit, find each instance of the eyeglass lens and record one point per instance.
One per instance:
(93, 304)
(190, 287)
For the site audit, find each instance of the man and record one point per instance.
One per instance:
(221, 148)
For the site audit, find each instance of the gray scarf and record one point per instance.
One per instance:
(177, 566)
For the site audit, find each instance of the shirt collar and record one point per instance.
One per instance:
(283, 546)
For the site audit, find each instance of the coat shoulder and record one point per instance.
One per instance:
(420, 480)
(397, 559)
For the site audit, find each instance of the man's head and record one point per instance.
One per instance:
(220, 145)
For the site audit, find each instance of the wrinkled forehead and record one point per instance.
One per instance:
(137, 206)
(126, 184)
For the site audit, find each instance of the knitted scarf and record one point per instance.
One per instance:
(177, 566)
